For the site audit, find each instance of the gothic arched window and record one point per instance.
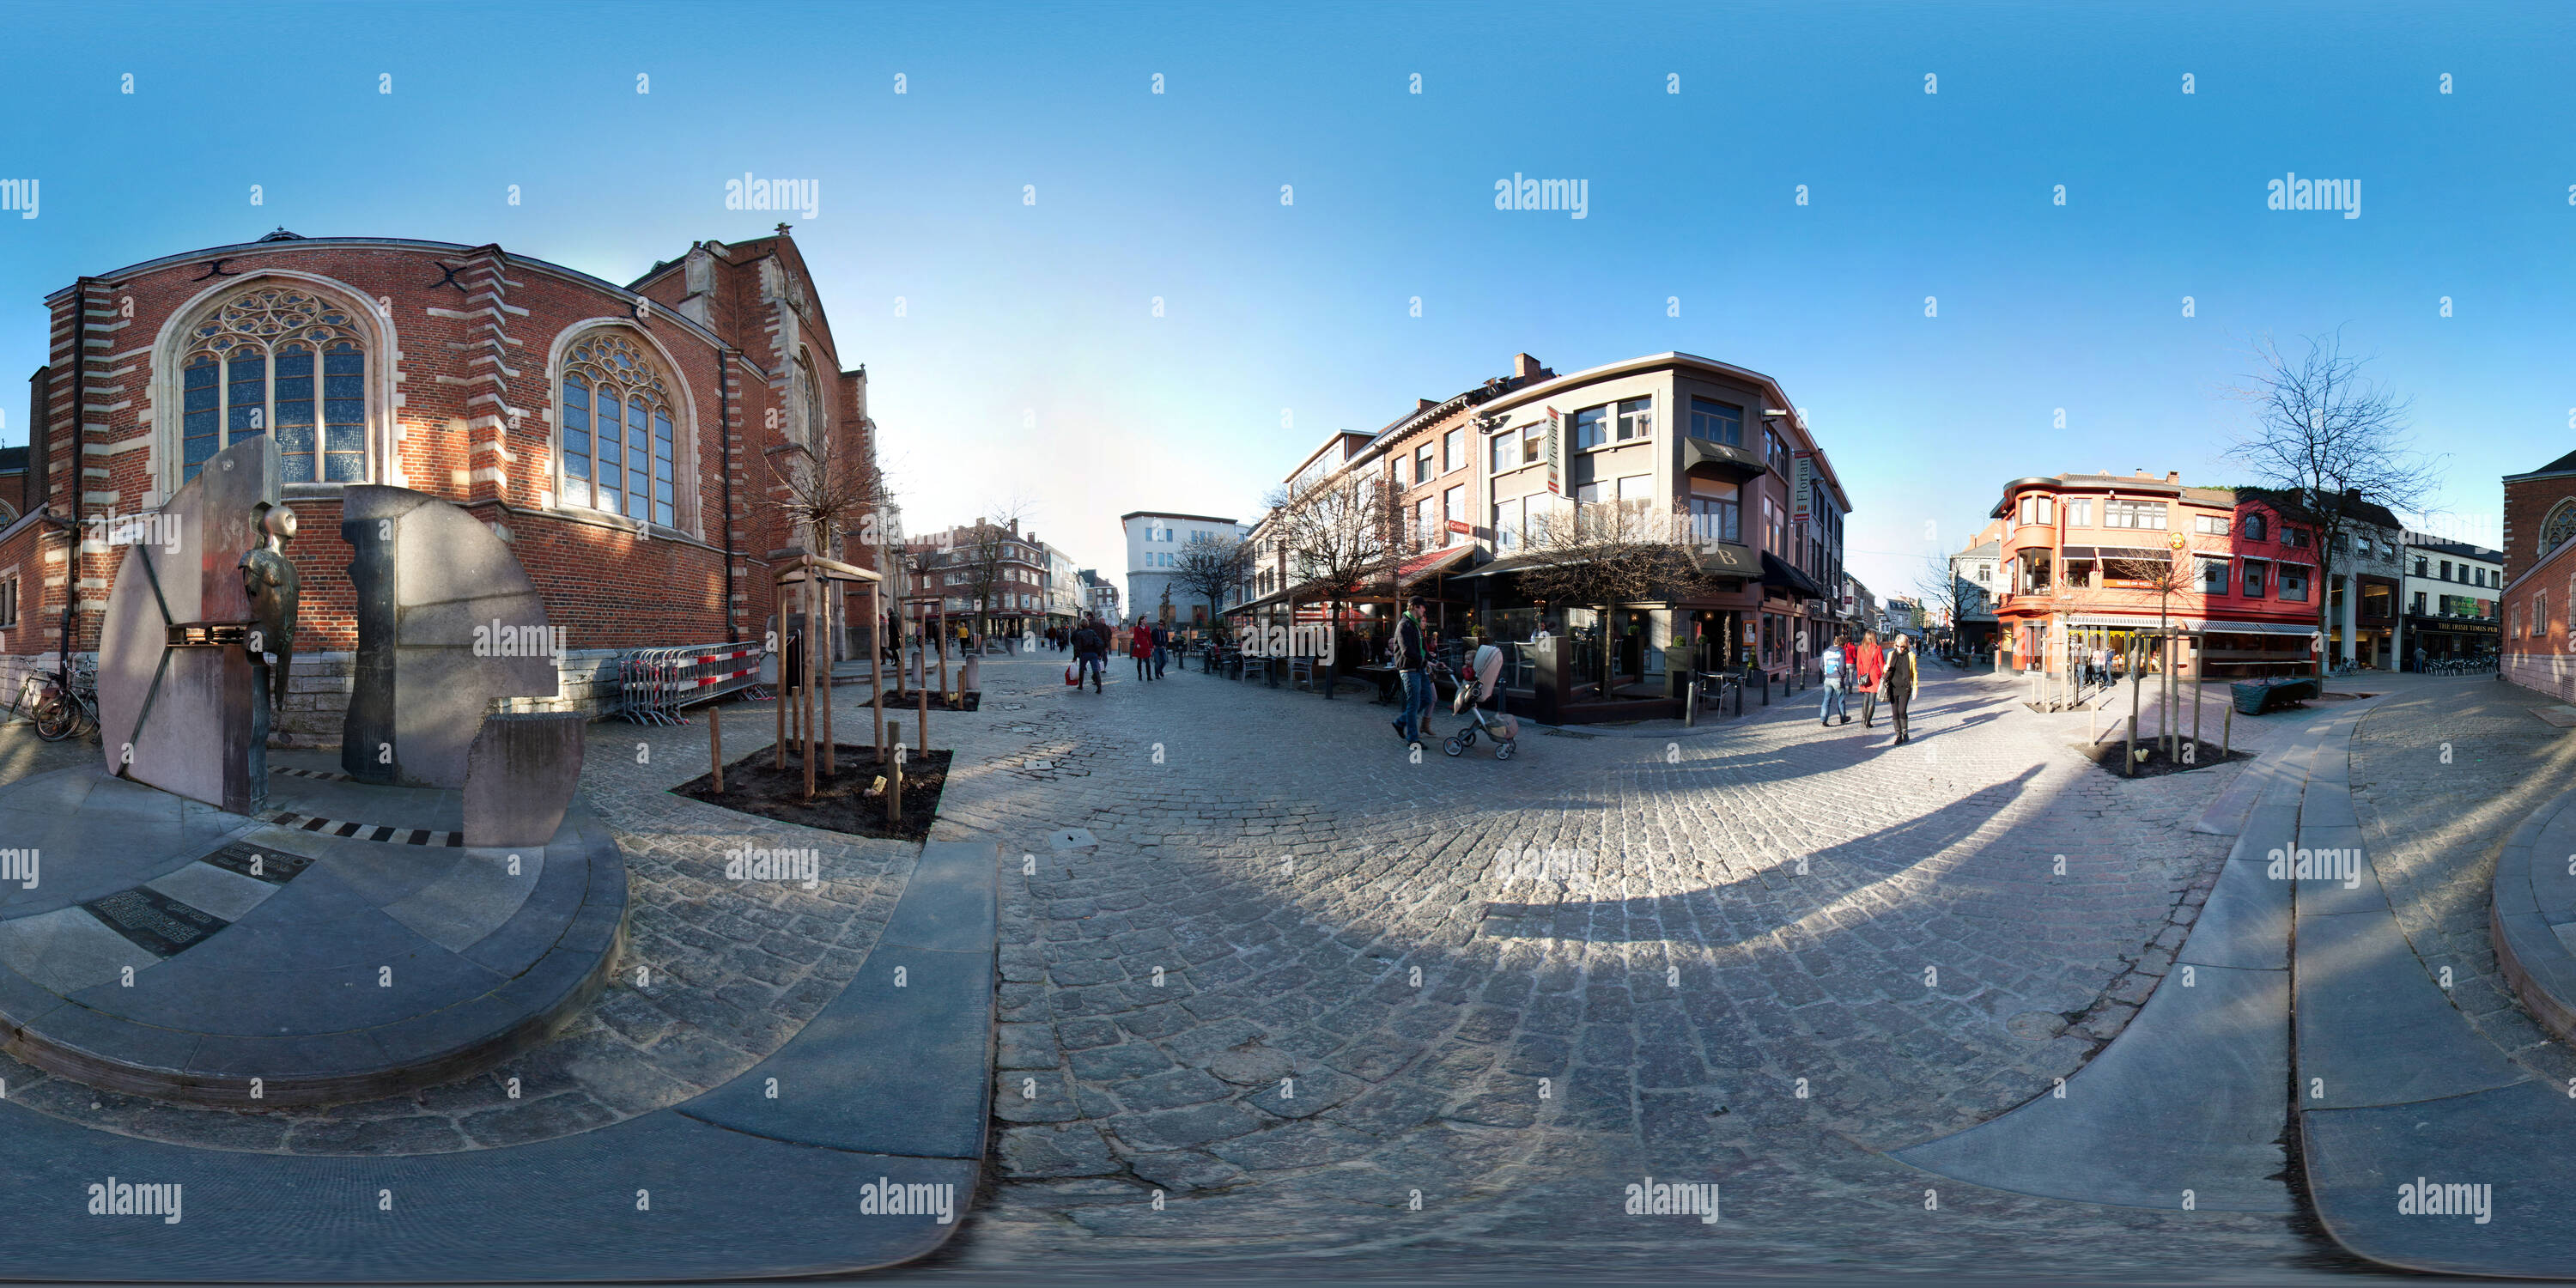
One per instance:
(814, 422)
(2560, 526)
(277, 359)
(617, 443)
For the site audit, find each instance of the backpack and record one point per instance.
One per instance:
(1833, 663)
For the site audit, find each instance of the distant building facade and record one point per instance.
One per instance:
(1155, 543)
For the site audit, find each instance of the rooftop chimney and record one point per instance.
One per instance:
(2173, 476)
(2139, 474)
(1422, 403)
(1525, 367)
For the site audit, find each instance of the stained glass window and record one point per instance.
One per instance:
(250, 371)
(617, 453)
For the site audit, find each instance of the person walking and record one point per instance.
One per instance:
(1900, 681)
(1140, 646)
(1829, 664)
(1412, 667)
(1090, 653)
(1162, 648)
(1869, 664)
(2101, 664)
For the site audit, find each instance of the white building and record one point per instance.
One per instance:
(1064, 598)
(2449, 598)
(1154, 544)
(1973, 584)
(1099, 595)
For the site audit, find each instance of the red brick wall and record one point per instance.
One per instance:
(2526, 508)
(470, 360)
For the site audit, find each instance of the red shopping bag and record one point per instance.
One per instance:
(1069, 677)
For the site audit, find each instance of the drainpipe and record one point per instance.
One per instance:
(80, 395)
(724, 440)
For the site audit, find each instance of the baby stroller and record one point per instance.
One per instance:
(1485, 683)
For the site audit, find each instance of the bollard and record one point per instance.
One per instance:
(2226, 727)
(894, 788)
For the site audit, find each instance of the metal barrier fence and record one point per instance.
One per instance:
(658, 682)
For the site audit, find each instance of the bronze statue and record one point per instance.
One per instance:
(268, 577)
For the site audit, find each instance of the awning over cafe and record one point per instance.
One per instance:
(1778, 573)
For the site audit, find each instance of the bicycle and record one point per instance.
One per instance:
(62, 712)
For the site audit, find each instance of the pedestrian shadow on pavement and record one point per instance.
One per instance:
(1839, 878)
(1921, 734)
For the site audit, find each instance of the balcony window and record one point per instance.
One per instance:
(2213, 576)
(1716, 511)
(1717, 422)
(2256, 571)
(2294, 583)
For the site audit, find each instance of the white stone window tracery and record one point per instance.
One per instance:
(280, 360)
(2560, 526)
(812, 418)
(616, 450)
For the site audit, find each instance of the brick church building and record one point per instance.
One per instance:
(623, 439)
(2539, 648)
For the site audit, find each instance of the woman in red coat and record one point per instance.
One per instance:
(1140, 646)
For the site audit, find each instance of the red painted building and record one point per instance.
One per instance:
(2074, 549)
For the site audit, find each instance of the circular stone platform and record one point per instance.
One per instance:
(342, 945)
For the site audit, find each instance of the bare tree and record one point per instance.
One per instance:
(1943, 593)
(2174, 574)
(1610, 554)
(1339, 540)
(2327, 436)
(822, 486)
(1211, 570)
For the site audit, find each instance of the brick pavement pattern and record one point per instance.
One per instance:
(2442, 773)
(1285, 983)
(716, 973)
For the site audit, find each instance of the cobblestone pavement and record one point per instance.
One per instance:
(715, 974)
(2442, 773)
(1256, 959)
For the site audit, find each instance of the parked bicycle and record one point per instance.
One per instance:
(60, 712)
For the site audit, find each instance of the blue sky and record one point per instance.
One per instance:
(1041, 313)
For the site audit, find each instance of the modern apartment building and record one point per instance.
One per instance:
(1671, 433)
